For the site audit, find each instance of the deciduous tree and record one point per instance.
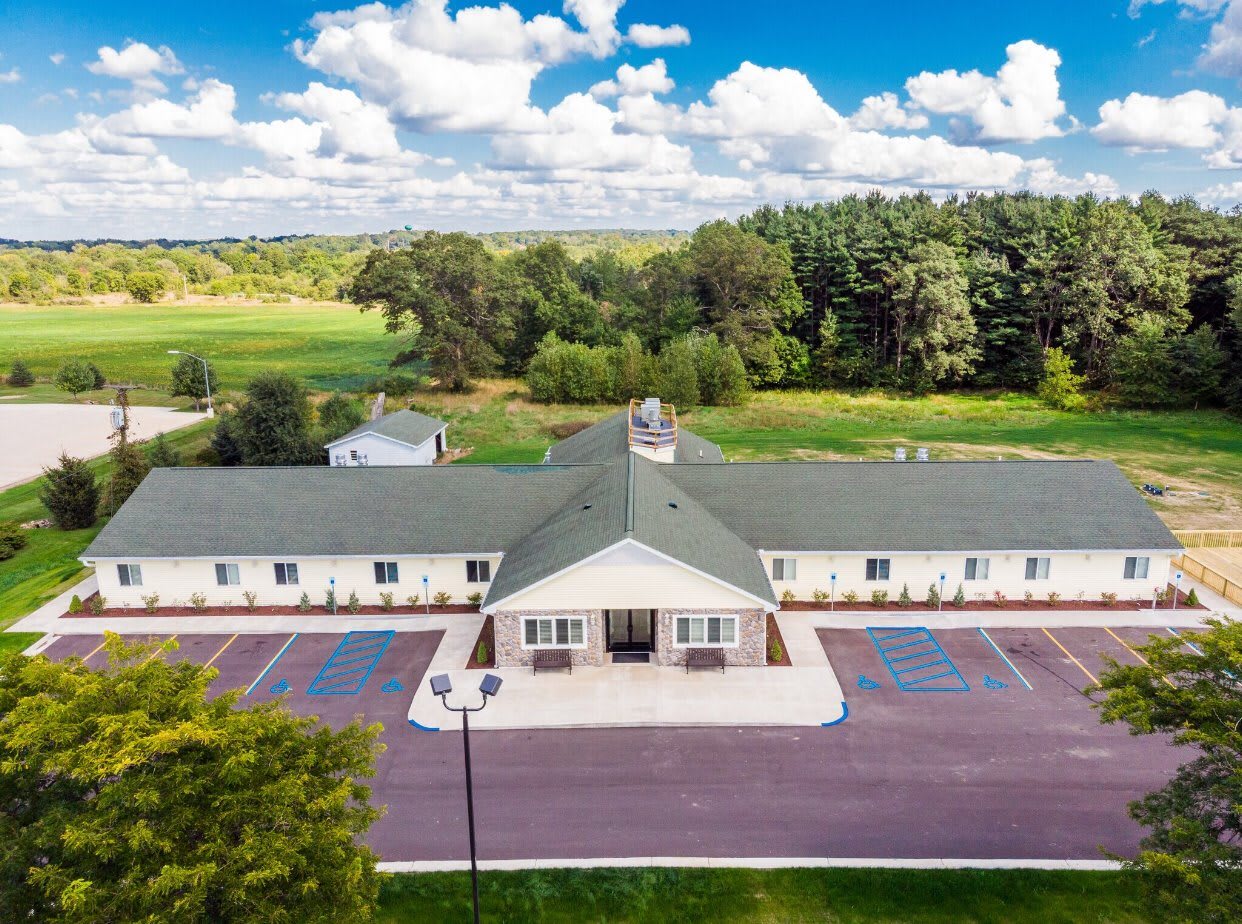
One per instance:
(190, 381)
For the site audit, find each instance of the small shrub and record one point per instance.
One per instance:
(1162, 595)
(787, 596)
(933, 597)
(75, 604)
(480, 653)
(1192, 598)
(903, 599)
(879, 597)
(999, 599)
(1108, 598)
(959, 598)
(850, 597)
(353, 604)
(386, 601)
(251, 598)
(20, 375)
(198, 602)
(443, 598)
(475, 599)
(329, 600)
(304, 603)
(1028, 597)
(775, 651)
(819, 596)
(12, 539)
(413, 601)
(97, 605)
(1054, 598)
(151, 602)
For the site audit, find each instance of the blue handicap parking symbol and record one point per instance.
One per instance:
(866, 683)
(993, 684)
(281, 686)
(392, 686)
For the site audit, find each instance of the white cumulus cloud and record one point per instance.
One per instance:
(1154, 123)
(883, 111)
(138, 63)
(635, 81)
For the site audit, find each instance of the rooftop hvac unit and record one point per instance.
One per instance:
(899, 454)
(650, 410)
(921, 454)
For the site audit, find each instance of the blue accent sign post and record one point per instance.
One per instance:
(942, 577)
(1177, 586)
(832, 592)
(332, 585)
(427, 594)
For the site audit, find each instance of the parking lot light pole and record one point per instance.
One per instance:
(206, 377)
(442, 686)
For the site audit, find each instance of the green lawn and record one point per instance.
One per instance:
(329, 346)
(848, 896)
(49, 563)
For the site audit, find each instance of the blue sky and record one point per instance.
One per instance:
(144, 119)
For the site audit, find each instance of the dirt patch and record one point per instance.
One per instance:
(487, 638)
(774, 635)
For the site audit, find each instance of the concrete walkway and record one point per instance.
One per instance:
(637, 695)
(444, 866)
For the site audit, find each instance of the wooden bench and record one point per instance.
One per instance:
(551, 658)
(705, 657)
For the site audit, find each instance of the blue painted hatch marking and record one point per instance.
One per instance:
(916, 660)
(347, 670)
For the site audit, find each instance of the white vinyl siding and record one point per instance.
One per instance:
(706, 631)
(386, 572)
(227, 575)
(784, 569)
(1136, 567)
(554, 632)
(976, 569)
(286, 573)
(1037, 569)
(878, 569)
(129, 575)
(478, 571)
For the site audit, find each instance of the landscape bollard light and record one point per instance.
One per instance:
(442, 686)
(206, 377)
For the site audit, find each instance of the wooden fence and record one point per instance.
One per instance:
(1228, 586)
(1209, 538)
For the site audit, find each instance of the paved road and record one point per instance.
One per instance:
(991, 772)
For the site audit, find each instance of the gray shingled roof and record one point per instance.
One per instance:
(609, 439)
(405, 426)
(927, 506)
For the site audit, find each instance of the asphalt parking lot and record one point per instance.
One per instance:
(976, 745)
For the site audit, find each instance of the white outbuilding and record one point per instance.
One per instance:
(401, 438)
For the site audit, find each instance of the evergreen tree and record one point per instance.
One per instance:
(70, 493)
(161, 454)
(273, 425)
(338, 415)
(99, 379)
(1142, 363)
(129, 467)
(225, 440)
(20, 375)
(933, 324)
(1198, 363)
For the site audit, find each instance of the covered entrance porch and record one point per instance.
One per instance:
(629, 635)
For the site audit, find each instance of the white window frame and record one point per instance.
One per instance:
(1042, 564)
(390, 568)
(552, 627)
(1130, 570)
(232, 574)
(286, 565)
(888, 569)
(481, 565)
(982, 564)
(784, 569)
(129, 575)
(691, 618)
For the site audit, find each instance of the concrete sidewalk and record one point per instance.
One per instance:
(637, 695)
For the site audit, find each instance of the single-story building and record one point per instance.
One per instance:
(401, 438)
(634, 536)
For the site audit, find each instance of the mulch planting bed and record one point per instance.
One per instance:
(774, 633)
(486, 637)
(292, 610)
(992, 606)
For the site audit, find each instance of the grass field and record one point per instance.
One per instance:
(329, 346)
(845, 896)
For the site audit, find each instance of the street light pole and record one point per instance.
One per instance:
(206, 377)
(441, 686)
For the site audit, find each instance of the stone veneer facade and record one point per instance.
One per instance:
(752, 633)
(507, 625)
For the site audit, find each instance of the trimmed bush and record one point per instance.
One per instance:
(329, 601)
(999, 599)
(475, 599)
(819, 596)
(933, 597)
(1054, 598)
(75, 604)
(304, 603)
(151, 602)
(1192, 598)
(1028, 597)
(443, 598)
(198, 602)
(787, 596)
(251, 598)
(480, 654)
(879, 598)
(12, 540)
(903, 598)
(1110, 599)
(353, 604)
(775, 651)
(850, 597)
(97, 605)
(413, 601)
(386, 601)
(959, 598)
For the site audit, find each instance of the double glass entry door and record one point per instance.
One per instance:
(630, 630)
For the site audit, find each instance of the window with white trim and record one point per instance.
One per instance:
(554, 632)
(227, 575)
(1037, 569)
(878, 569)
(286, 572)
(706, 631)
(385, 572)
(784, 569)
(977, 569)
(129, 575)
(478, 571)
(1136, 567)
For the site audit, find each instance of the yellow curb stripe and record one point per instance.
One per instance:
(1121, 642)
(1071, 657)
(222, 647)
